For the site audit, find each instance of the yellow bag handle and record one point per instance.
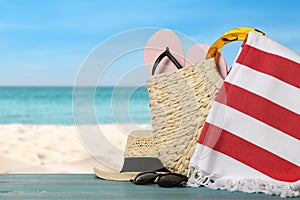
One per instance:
(230, 36)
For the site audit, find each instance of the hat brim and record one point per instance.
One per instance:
(114, 176)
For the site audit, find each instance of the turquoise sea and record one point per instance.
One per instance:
(54, 105)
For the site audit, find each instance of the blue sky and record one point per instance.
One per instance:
(44, 43)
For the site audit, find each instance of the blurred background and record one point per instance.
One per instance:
(43, 43)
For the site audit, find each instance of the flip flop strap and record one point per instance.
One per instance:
(170, 56)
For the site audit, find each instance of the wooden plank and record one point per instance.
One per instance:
(87, 186)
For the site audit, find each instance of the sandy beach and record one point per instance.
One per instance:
(50, 149)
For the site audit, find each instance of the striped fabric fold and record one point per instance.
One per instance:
(251, 139)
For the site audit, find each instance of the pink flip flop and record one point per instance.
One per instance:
(198, 53)
(157, 44)
(164, 41)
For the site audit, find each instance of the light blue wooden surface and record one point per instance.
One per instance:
(87, 186)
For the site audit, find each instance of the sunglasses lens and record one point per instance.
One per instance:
(172, 180)
(145, 178)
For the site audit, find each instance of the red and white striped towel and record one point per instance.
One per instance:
(251, 139)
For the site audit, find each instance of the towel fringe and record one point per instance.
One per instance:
(198, 177)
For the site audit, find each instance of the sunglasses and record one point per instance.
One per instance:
(163, 180)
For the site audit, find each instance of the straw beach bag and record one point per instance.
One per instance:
(251, 138)
(180, 101)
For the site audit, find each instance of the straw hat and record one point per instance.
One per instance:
(140, 155)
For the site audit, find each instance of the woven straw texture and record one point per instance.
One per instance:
(140, 144)
(180, 101)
